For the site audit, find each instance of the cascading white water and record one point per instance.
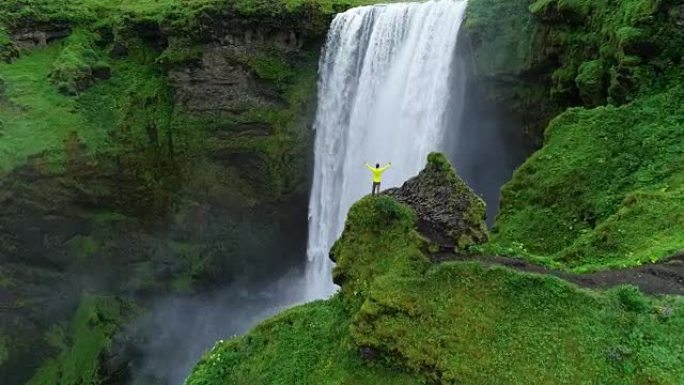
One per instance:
(383, 96)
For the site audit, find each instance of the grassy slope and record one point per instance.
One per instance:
(616, 167)
(36, 116)
(38, 119)
(306, 345)
(451, 323)
(605, 189)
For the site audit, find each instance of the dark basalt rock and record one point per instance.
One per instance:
(368, 353)
(448, 212)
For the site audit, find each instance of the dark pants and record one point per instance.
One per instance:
(376, 188)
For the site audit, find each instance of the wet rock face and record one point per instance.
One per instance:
(221, 84)
(30, 39)
(448, 212)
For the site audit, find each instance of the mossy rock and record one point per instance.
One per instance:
(636, 42)
(591, 82)
(8, 49)
(449, 212)
(382, 222)
(79, 64)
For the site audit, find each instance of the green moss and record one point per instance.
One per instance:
(524, 51)
(75, 68)
(36, 116)
(565, 205)
(564, 82)
(81, 343)
(622, 239)
(564, 11)
(502, 47)
(375, 233)
(591, 82)
(271, 69)
(450, 323)
(464, 323)
(8, 50)
(588, 198)
(181, 16)
(305, 345)
(180, 50)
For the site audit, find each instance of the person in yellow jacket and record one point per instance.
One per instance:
(377, 175)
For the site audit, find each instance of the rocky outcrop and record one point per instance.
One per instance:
(449, 213)
(221, 84)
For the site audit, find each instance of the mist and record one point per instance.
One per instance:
(484, 144)
(172, 337)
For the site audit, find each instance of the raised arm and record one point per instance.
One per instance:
(386, 166)
(369, 166)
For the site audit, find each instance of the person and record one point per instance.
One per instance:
(377, 175)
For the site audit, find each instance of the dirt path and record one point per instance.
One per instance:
(662, 278)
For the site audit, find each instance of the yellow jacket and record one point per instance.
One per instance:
(377, 172)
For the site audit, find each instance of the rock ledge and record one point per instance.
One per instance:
(448, 212)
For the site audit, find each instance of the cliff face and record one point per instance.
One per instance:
(602, 189)
(145, 149)
(539, 57)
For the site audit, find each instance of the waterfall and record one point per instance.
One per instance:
(384, 91)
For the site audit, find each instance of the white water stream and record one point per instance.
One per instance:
(384, 94)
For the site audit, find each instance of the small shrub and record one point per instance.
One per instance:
(271, 69)
(664, 312)
(632, 299)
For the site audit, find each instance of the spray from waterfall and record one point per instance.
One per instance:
(384, 90)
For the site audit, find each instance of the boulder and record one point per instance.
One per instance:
(448, 212)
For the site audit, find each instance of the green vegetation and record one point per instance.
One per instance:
(400, 317)
(591, 82)
(608, 184)
(181, 15)
(81, 343)
(78, 64)
(36, 117)
(95, 120)
(40, 120)
(604, 190)
(8, 49)
(305, 345)
(504, 47)
(532, 56)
